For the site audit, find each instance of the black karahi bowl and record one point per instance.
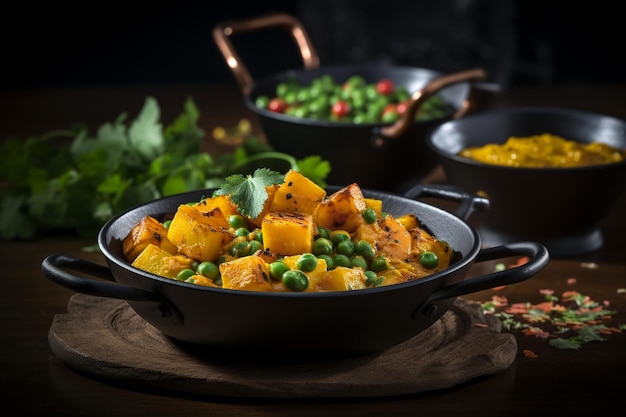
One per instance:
(318, 324)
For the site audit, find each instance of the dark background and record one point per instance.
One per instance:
(516, 41)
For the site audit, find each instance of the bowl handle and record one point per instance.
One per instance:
(54, 267)
(468, 203)
(381, 135)
(538, 259)
(223, 31)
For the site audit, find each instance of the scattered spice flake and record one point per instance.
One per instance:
(482, 325)
(573, 314)
(590, 265)
(529, 354)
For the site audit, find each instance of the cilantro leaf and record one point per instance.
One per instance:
(248, 192)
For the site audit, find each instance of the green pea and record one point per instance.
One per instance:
(167, 223)
(379, 263)
(254, 246)
(360, 118)
(295, 280)
(339, 235)
(240, 249)
(315, 92)
(370, 277)
(258, 235)
(329, 261)
(323, 232)
(370, 91)
(282, 89)
(322, 246)
(356, 81)
(341, 260)
(369, 215)
(307, 262)
(390, 117)
(300, 112)
(208, 269)
(365, 249)
(345, 247)
(184, 274)
(303, 95)
(242, 231)
(262, 102)
(237, 221)
(358, 262)
(277, 269)
(429, 260)
(402, 94)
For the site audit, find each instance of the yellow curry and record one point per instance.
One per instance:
(303, 241)
(544, 151)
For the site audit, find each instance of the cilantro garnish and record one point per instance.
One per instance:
(248, 192)
(74, 180)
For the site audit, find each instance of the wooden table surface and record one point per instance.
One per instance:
(34, 381)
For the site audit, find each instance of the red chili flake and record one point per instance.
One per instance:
(529, 354)
(546, 291)
(518, 308)
(499, 300)
(537, 332)
(482, 325)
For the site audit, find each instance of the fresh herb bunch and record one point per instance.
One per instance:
(69, 180)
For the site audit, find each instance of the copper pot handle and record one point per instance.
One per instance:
(385, 133)
(223, 31)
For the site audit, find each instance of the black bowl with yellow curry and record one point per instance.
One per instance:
(551, 174)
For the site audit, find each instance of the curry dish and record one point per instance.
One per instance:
(302, 241)
(545, 151)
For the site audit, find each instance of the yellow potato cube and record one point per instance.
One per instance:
(157, 261)
(343, 279)
(297, 194)
(200, 236)
(409, 221)
(224, 203)
(375, 204)
(288, 233)
(342, 209)
(246, 273)
(147, 230)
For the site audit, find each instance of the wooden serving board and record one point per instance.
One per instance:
(104, 338)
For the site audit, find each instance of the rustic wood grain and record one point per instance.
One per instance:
(106, 339)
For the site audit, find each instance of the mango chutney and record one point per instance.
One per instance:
(544, 151)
